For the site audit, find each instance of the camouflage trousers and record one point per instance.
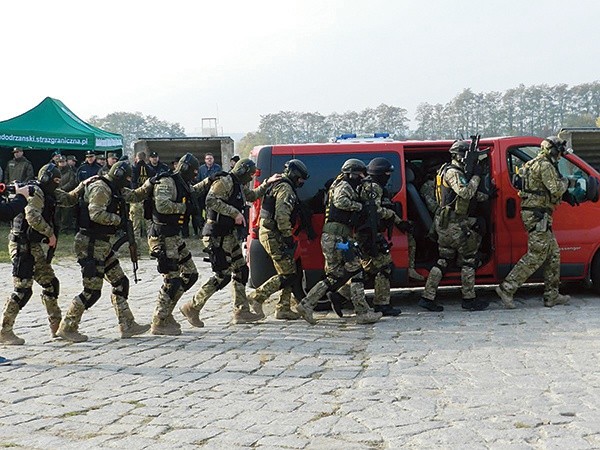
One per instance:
(228, 264)
(285, 266)
(338, 267)
(542, 251)
(178, 269)
(98, 263)
(379, 268)
(29, 265)
(457, 242)
(140, 225)
(65, 218)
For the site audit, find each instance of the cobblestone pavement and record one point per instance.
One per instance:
(526, 378)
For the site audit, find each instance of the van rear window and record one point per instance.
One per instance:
(325, 167)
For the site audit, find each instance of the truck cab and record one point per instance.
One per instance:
(504, 238)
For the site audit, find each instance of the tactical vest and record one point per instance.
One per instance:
(267, 209)
(21, 228)
(174, 222)
(87, 224)
(446, 196)
(220, 224)
(334, 214)
(524, 181)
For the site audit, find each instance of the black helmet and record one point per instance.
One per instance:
(295, 169)
(354, 166)
(244, 170)
(460, 148)
(120, 173)
(379, 166)
(46, 177)
(187, 167)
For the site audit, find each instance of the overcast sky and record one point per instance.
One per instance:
(237, 60)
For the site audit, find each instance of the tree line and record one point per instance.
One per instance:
(538, 110)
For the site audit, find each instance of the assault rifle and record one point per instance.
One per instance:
(474, 156)
(129, 237)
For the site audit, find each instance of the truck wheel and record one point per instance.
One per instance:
(298, 288)
(595, 273)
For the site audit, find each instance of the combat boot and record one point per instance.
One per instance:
(505, 298)
(368, 317)
(430, 305)
(306, 313)
(414, 275)
(472, 304)
(244, 316)
(7, 335)
(559, 300)
(133, 329)
(387, 310)
(54, 324)
(164, 327)
(191, 314)
(257, 307)
(286, 314)
(70, 323)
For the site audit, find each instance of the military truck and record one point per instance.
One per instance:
(585, 142)
(171, 149)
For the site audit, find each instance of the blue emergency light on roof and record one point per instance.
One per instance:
(364, 136)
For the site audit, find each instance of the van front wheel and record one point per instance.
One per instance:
(595, 273)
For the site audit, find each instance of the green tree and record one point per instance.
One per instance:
(136, 125)
(249, 141)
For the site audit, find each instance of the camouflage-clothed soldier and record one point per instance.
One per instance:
(68, 182)
(427, 193)
(171, 208)
(342, 264)
(457, 238)
(225, 202)
(100, 217)
(375, 250)
(542, 190)
(278, 215)
(29, 258)
(19, 168)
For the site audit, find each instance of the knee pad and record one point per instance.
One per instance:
(172, 286)
(52, 289)
(286, 280)
(223, 280)
(242, 274)
(89, 297)
(471, 262)
(166, 265)
(89, 267)
(23, 296)
(121, 287)
(217, 258)
(191, 280)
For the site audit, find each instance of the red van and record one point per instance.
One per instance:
(504, 242)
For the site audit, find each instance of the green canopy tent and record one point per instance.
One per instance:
(53, 126)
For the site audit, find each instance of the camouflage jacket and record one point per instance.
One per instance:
(286, 202)
(543, 185)
(165, 195)
(68, 179)
(18, 170)
(222, 189)
(98, 196)
(35, 207)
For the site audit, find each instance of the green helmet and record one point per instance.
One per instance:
(120, 173)
(187, 167)
(555, 146)
(244, 170)
(460, 147)
(295, 170)
(46, 177)
(354, 166)
(379, 166)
